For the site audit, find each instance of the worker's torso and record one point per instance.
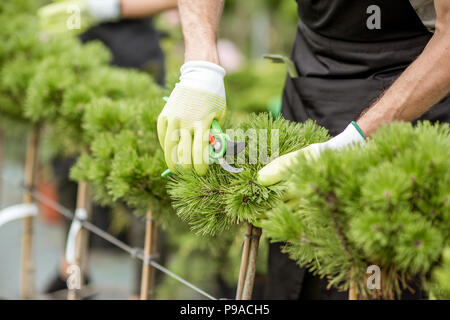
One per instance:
(367, 20)
(355, 38)
(348, 52)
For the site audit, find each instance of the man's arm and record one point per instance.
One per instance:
(200, 22)
(55, 17)
(140, 9)
(199, 97)
(423, 84)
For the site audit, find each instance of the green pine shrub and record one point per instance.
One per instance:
(214, 202)
(219, 201)
(66, 135)
(19, 6)
(35, 69)
(439, 286)
(385, 203)
(55, 80)
(106, 114)
(20, 41)
(125, 160)
(17, 36)
(70, 65)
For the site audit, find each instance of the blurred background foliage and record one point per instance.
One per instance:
(248, 30)
(260, 26)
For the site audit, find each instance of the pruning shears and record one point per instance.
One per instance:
(220, 145)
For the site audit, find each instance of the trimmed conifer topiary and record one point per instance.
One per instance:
(218, 200)
(386, 203)
(125, 161)
(439, 286)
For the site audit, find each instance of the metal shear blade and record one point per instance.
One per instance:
(228, 167)
(234, 148)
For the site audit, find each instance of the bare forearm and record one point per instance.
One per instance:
(418, 89)
(145, 8)
(200, 23)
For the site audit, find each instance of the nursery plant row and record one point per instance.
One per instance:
(383, 206)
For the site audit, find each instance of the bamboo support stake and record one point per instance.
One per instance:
(1, 166)
(352, 295)
(153, 253)
(27, 268)
(82, 240)
(244, 261)
(251, 267)
(150, 250)
(352, 292)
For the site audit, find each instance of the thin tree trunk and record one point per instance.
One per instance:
(352, 295)
(1, 165)
(244, 261)
(150, 250)
(27, 268)
(251, 267)
(352, 292)
(81, 244)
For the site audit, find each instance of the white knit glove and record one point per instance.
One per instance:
(274, 171)
(184, 123)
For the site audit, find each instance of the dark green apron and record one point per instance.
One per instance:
(344, 66)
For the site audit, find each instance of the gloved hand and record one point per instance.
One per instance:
(275, 171)
(77, 15)
(184, 123)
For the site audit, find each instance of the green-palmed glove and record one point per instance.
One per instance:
(184, 123)
(276, 170)
(77, 15)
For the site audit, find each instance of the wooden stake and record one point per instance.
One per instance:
(244, 261)
(251, 267)
(27, 268)
(352, 295)
(352, 292)
(82, 240)
(1, 166)
(150, 250)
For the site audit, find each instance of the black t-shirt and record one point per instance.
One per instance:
(348, 19)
